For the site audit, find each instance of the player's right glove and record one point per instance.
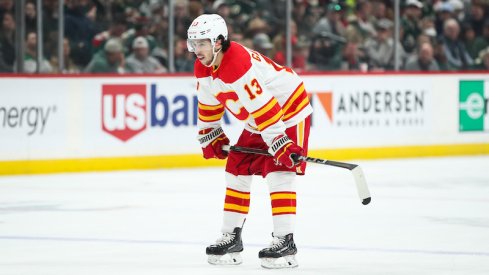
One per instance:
(285, 151)
(211, 140)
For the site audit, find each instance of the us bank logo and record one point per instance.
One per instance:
(473, 105)
(130, 109)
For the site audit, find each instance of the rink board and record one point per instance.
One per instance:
(90, 123)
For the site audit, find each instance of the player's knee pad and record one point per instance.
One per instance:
(281, 181)
(240, 183)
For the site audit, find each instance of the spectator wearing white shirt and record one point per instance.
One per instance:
(30, 57)
(140, 61)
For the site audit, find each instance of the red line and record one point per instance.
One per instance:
(236, 211)
(284, 213)
(282, 192)
(237, 201)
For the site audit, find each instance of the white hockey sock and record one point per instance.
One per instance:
(283, 199)
(237, 201)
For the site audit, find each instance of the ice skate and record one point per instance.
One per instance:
(280, 253)
(227, 249)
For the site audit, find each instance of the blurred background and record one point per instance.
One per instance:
(89, 87)
(149, 36)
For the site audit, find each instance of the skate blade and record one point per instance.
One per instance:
(226, 259)
(282, 262)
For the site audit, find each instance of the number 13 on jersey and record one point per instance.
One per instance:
(253, 89)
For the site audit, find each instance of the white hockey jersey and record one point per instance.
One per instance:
(253, 88)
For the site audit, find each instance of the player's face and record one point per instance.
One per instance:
(203, 50)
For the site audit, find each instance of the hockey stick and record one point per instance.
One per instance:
(358, 175)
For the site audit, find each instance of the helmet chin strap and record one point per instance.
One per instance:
(214, 53)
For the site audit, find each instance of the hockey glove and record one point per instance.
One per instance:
(211, 140)
(285, 151)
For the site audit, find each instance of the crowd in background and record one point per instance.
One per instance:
(131, 36)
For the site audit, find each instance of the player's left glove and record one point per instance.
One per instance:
(211, 140)
(285, 151)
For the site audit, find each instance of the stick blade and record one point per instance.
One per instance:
(362, 187)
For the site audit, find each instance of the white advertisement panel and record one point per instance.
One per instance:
(361, 111)
(87, 117)
(34, 118)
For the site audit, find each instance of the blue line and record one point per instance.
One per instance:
(314, 247)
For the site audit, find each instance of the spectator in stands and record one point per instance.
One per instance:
(6, 6)
(7, 42)
(458, 9)
(182, 21)
(300, 55)
(86, 18)
(30, 17)
(353, 58)
(80, 28)
(110, 60)
(69, 66)
(116, 29)
(476, 18)
(469, 40)
(443, 12)
(440, 57)
(278, 52)
(424, 60)
(428, 27)
(379, 11)
(457, 55)
(184, 60)
(308, 16)
(236, 34)
(360, 28)
(331, 22)
(195, 8)
(482, 42)
(140, 61)
(325, 52)
(140, 30)
(410, 23)
(30, 58)
(380, 49)
(482, 62)
(262, 43)
(222, 8)
(258, 25)
(158, 27)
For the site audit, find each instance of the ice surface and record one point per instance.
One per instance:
(427, 216)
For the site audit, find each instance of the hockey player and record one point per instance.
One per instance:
(272, 102)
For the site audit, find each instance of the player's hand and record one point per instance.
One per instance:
(285, 151)
(211, 141)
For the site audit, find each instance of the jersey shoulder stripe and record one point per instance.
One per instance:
(209, 113)
(297, 101)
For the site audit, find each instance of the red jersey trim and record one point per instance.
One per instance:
(200, 70)
(267, 115)
(235, 63)
(295, 103)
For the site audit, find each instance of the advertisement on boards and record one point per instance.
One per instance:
(473, 105)
(369, 111)
(32, 121)
(87, 117)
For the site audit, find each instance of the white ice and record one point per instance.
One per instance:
(427, 216)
